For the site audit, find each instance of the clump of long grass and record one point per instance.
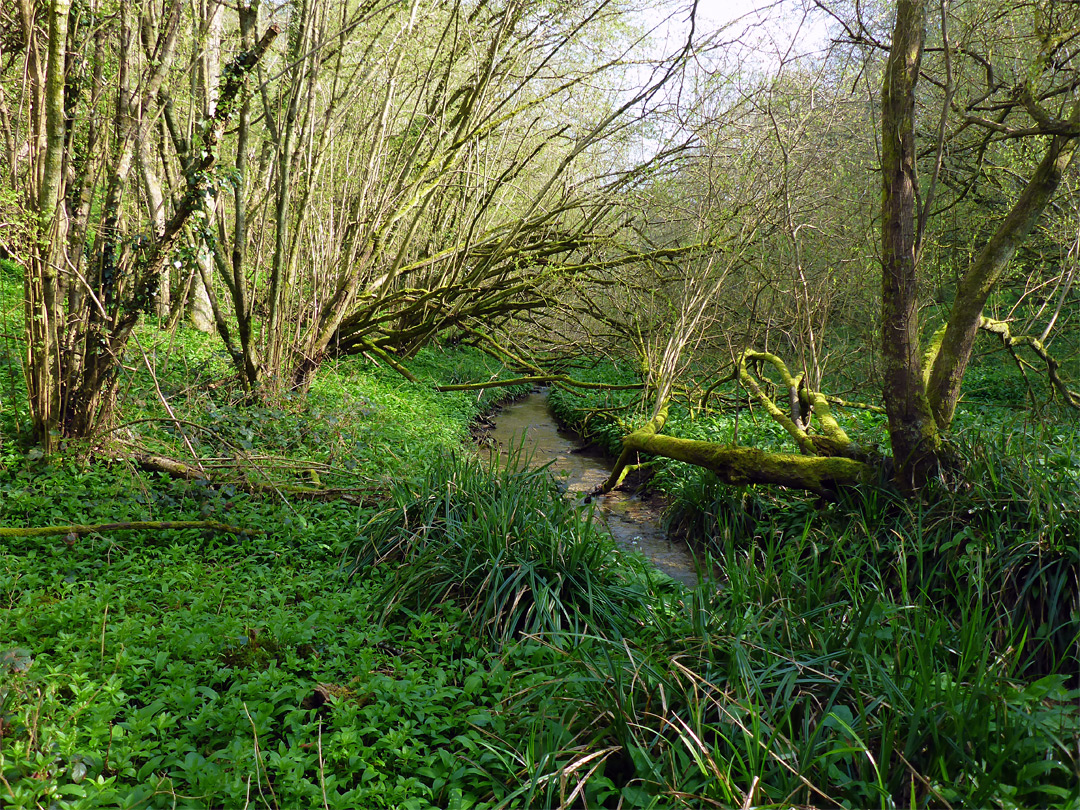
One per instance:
(1007, 525)
(1014, 527)
(874, 652)
(800, 682)
(502, 542)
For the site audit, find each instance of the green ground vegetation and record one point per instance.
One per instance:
(449, 633)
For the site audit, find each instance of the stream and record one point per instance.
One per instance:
(634, 523)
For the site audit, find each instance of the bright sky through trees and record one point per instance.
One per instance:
(768, 32)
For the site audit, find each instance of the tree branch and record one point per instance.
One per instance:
(1011, 341)
(137, 525)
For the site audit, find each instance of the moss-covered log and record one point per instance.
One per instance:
(749, 465)
(741, 465)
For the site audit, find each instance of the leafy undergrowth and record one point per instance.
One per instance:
(360, 424)
(472, 641)
(183, 669)
(175, 670)
(518, 557)
(939, 638)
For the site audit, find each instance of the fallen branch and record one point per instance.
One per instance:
(178, 469)
(740, 466)
(137, 525)
(561, 379)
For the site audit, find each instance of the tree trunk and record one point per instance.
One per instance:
(200, 311)
(87, 382)
(913, 433)
(741, 465)
(156, 202)
(950, 357)
(252, 371)
(200, 314)
(43, 298)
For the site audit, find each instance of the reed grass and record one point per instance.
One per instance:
(501, 541)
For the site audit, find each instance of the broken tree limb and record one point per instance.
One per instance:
(618, 473)
(823, 475)
(178, 469)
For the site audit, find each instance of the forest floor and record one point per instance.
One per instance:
(443, 633)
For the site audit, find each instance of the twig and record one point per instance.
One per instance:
(258, 760)
(322, 770)
(104, 619)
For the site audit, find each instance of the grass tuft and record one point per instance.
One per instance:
(501, 542)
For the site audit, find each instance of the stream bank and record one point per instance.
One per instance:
(527, 428)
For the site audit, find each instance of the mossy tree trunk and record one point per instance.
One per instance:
(44, 286)
(950, 355)
(823, 475)
(920, 389)
(913, 433)
(72, 377)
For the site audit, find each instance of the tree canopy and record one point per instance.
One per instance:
(313, 179)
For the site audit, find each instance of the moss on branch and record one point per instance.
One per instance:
(1012, 342)
(740, 465)
(749, 465)
(136, 525)
(832, 441)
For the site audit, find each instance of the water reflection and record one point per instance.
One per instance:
(632, 522)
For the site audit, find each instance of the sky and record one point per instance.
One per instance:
(772, 29)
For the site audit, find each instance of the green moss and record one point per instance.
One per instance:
(749, 465)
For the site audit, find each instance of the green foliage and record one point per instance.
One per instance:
(359, 422)
(12, 270)
(156, 669)
(792, 685)
(144, 669)
(486, 646)
(868, 652)
(13, 402)
(997, 381)
(503, 544)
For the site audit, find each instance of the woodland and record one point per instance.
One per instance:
(807, 272)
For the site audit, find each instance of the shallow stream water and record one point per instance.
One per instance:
(635, 524)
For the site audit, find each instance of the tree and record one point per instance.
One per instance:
(88, 283)
(398, 170)
(921, 389)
